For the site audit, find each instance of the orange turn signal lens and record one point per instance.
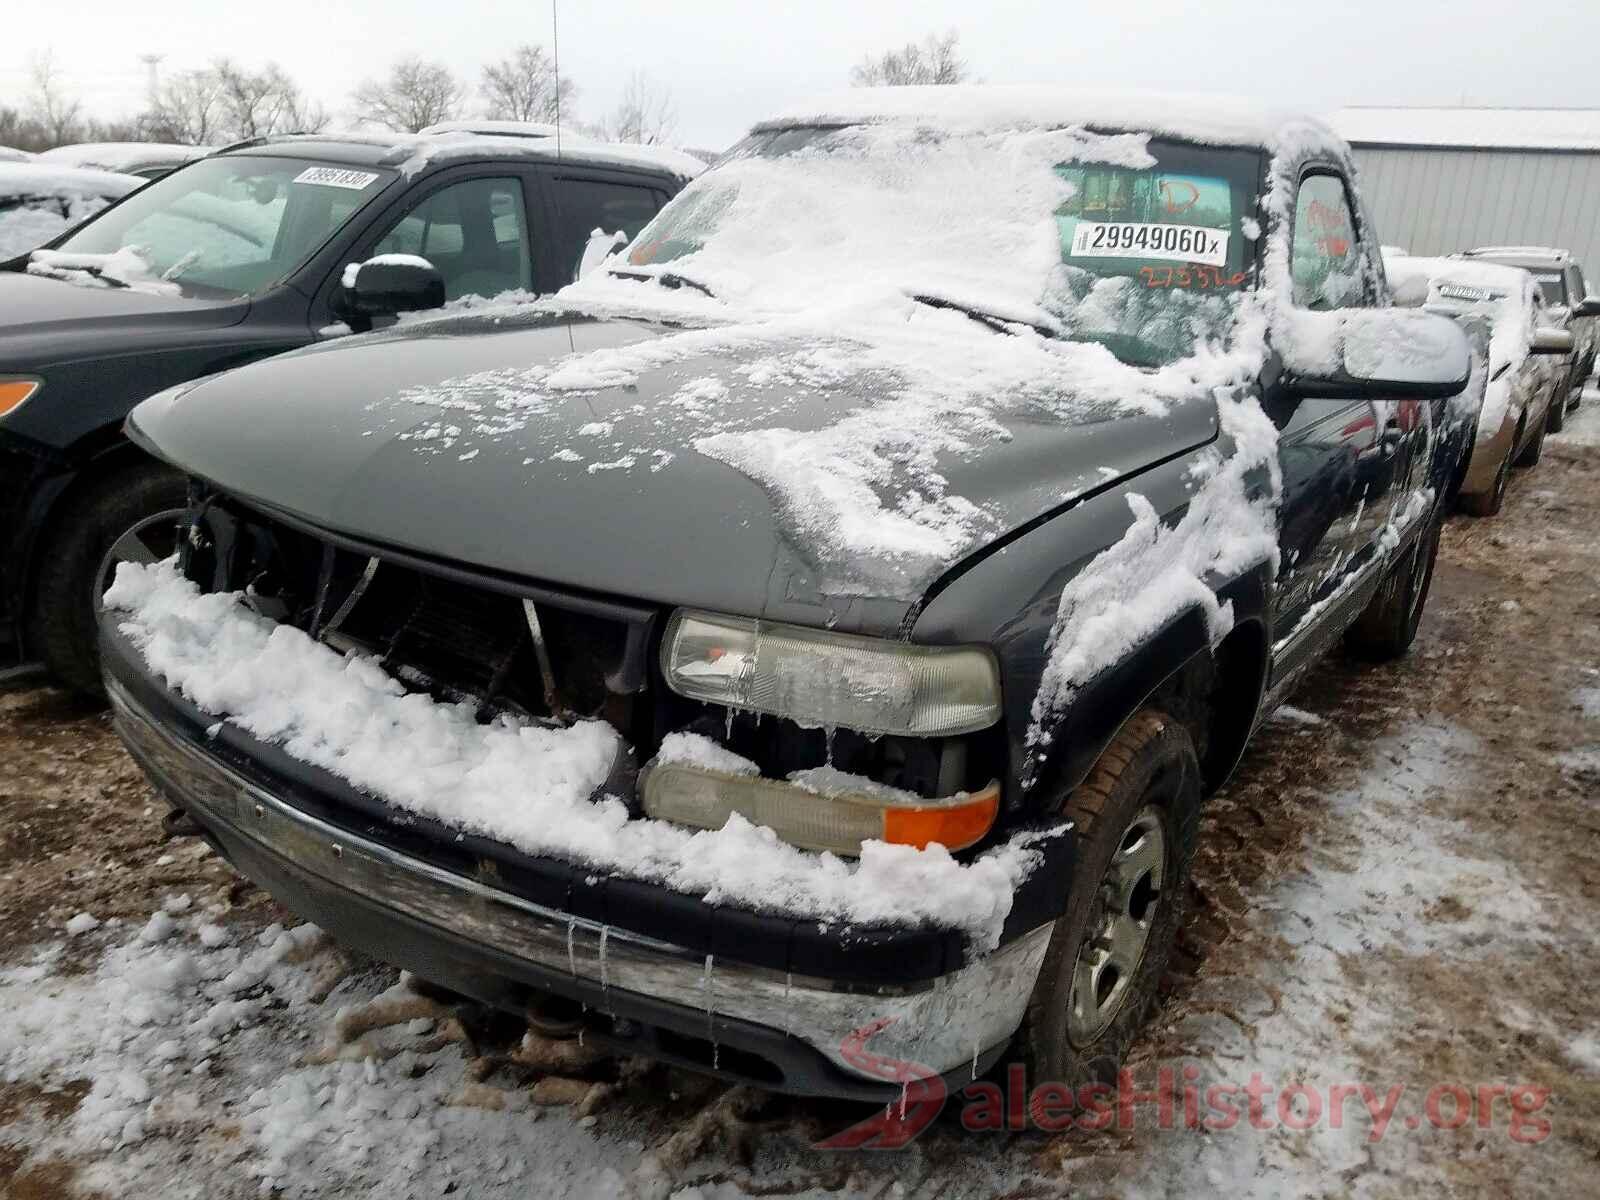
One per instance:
(953, 826)
(14, 391)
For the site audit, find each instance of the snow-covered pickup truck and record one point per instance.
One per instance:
(799, 650)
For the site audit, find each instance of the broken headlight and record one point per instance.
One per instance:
(821, 679)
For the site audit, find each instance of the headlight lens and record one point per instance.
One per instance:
(816, 678)
(13, 392)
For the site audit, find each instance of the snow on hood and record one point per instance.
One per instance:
(127, 267)
(522, 783)
(1501, 296)
(814, 266)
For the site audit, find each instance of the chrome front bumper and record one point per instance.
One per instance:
(944, 1025)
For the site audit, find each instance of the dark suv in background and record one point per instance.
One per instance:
(242, 255)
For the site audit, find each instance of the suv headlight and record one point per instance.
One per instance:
(816, 678)
(13, 392)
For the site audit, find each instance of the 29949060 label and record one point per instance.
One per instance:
(1136, 239)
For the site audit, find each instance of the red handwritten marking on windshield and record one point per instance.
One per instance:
(1173, 205)
(1193, 276)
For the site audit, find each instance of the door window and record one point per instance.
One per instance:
(1327, 257)
(584, 205)
(476, 234)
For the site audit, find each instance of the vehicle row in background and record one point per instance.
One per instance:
(39, 202)
(1522, 362)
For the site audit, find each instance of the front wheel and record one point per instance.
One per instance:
(130, 515)
(1388, 625)
(1136, 818)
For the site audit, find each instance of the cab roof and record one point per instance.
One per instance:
(979, 108)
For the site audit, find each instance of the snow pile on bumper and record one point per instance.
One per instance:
(522, 784)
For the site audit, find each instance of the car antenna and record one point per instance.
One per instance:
(555, 53)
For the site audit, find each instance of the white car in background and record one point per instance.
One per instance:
(39, 201)
(148, 160)
(1520, 361)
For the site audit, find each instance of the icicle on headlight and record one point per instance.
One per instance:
(816, 678)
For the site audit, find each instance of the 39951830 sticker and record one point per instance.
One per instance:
(337, 177)
(1136, 239)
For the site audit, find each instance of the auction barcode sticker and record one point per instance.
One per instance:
(335, 177)
(1133, 239)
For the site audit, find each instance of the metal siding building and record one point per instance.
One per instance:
(1442, 179)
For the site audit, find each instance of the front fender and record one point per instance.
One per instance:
(1009, 601)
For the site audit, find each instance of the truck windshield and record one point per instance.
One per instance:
(231, 225)
(1145, 259)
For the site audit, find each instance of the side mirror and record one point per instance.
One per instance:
(1589, 306)
(1392, 353)
(600, 246)
(1546, 340)
(388, 284)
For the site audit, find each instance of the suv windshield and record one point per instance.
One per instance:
(1144, 259)
(232, 225)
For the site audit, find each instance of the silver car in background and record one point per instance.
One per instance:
(1521, 368)
(1560, 279)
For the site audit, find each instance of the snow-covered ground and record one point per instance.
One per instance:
(1583, 426)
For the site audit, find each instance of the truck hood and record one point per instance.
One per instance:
(578, 453)
(44, 321)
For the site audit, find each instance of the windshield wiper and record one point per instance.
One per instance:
(996, 323)
(667, 279)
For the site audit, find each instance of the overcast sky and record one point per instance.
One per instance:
(729, 63)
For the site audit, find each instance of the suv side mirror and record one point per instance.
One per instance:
(1546, 340)
(1393, 353)
(1589, 306)
(386, 285)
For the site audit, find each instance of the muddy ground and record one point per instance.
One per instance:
(1324, 938)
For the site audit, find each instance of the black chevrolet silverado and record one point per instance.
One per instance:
(227, 260)
(930, 531)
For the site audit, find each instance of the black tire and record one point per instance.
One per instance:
(1388, 625)
(1149, 777)
(1487, 504)
(1534, 450)
(75, 564)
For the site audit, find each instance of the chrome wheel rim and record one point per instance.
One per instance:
(1126, 905)
(151, 540)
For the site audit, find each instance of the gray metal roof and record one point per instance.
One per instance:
(1497, 128)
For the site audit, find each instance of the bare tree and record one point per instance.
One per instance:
(646, 113)
(227, 102)
(58, 117)
(523, 87)
(260, 103)
(936, 60)
(187, 107)
(415, 94)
